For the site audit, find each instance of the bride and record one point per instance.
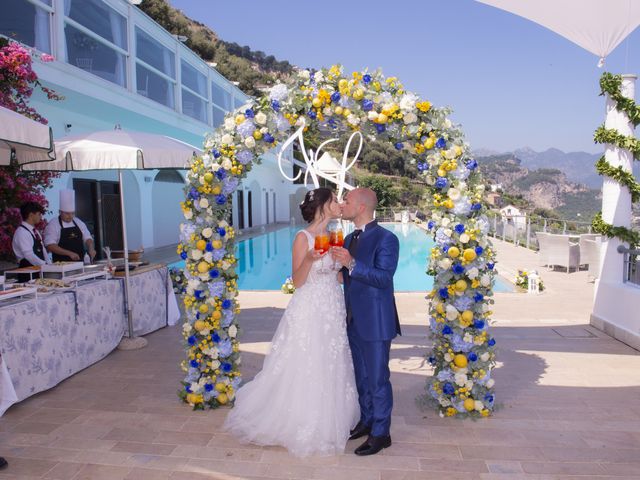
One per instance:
(305, 397)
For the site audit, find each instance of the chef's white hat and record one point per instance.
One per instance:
(67, 201)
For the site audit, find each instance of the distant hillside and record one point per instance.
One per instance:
(542, 188)
(251, 69)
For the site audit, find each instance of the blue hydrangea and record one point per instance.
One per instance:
(463, 303)
(216, 289)
(442, 237)
(459, 345)
(218, 254)
(445, 376)
(225, 348)
(244, 156)
(227, 318)
(282, 124)
(246, 129)
(229, 185)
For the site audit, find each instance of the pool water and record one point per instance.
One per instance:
(264, 262)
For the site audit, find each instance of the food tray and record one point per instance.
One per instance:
(17, 292)
(86, 276)
(61, 267)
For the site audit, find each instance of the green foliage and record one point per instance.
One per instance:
(629, 236)
(234, 62)
(612, 85)
(383, 186)
(534, 177)
(621, 176)
(586, 203)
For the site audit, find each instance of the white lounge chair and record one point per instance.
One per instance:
(590, 255)
(560, 251)
(585, 259)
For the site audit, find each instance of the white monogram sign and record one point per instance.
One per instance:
(311, 158)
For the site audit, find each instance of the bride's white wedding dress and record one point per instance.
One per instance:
(305, 397)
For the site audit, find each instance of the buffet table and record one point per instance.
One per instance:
(46, 340)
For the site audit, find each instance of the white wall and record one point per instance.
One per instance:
(167, 215)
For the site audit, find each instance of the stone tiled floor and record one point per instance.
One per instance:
(570, 406)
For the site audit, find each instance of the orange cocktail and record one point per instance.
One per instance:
(336, 238)
(321, 243)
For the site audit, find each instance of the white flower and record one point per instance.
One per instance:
(408, 102)
(229, 123)
(215, 167)
(196, 254)
(484, 357)
(478, 405)
(445, 264)
(193, 284)
(485, 280)
(447, 357)
(327, 111)
(490, 383)
(226, 164)
(213, 353)
(233, 331)
(318, 77)
(454, 194)
(208, 257)
(372, 115)
(223, 224)
(204, 203)
(225, 265)
(448, 232)
(446, 221)
(195, 387)
(473, 273)
(452, 312)
(249, 142)
(410, 118)
(215, 364)
(227, 139)
(464, 238)
(260, 118)
(460, 378)
(467, 337)
(280, 91)
(207, 232)
(447, 124)
(353, 119)
(186, 327)
(201, 180)
(188, 214)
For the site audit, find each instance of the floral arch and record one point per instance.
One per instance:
(461, 261)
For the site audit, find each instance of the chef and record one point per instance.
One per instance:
(66, 237)
(27, 242)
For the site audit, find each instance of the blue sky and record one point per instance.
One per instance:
(511, 83)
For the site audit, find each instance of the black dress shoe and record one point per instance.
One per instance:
(360, 430)
(3, 463)
(373, 445)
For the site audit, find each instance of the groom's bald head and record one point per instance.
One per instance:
(364, 197)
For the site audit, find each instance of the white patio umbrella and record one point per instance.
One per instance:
(117, 150)
(23, 140)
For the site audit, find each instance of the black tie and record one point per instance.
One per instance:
(353, 245)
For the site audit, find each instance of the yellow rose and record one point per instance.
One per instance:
(467, 316)
(454, 252)
(239, 119)
(469, 254)
(201, 244)
(461, 286)
(216, 244)
(203, 267)
(469, 404)
(199, 325)
(460, 360)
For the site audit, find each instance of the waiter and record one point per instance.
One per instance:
(67, 236)
(27, 242)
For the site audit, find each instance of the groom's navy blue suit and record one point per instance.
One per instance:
(372, 320)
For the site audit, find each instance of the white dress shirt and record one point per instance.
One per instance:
(23, 245)
(52, 232)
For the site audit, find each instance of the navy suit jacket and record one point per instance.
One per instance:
(368, 290)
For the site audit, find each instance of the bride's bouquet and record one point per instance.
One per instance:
(288, 287)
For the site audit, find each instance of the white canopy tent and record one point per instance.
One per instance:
(598, 26)
(23, 140)
(117, 150)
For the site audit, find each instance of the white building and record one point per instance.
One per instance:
(115, 65)
(513, 216)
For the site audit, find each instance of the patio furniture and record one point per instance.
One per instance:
(590, 255)
(586, 251)
(85, 63)
(397, 217)
(560, 251)
(543, 247)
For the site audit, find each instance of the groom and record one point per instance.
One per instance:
(369, 260)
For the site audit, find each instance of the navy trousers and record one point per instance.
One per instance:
(371, 365)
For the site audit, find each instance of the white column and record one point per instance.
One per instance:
(616, 199)
(614, 299)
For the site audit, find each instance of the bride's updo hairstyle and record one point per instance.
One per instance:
(313, 201)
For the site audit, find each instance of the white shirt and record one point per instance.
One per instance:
(52, 232)
(23, 245)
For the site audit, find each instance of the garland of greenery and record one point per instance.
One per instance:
(611, 85)
(462, 260)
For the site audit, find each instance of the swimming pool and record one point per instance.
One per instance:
(265, 261)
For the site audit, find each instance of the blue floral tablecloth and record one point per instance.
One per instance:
(46, 340)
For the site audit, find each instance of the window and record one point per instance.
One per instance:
(153, 53)
(238, 102)
(27, 23)
(220, 96)
(99, 18)
(95, 57)
(218, 116)
(194, 106)
(193, 79)
(154, 86)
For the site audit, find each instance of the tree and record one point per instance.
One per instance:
(17, 83)
(383, 186)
